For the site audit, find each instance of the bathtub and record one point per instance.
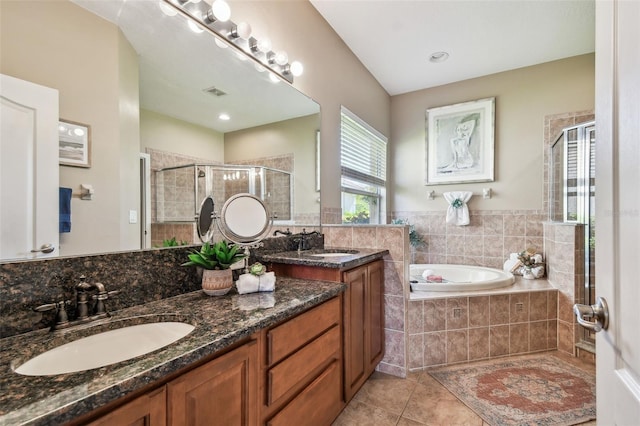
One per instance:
(459, 278)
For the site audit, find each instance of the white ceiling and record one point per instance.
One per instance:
(394, 38)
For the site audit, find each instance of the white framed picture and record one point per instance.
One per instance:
(74, 144)
(460, 143)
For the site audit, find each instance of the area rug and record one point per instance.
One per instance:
(538, 390)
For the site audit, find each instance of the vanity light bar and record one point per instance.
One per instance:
(205, 16)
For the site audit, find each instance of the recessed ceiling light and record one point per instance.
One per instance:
(438, 57)
(224, 117)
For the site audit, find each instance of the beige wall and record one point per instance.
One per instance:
(296, 136)
(523, 98)
(160, 132)
(46, 43)
(333, 76)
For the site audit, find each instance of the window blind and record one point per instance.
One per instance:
(363, 151)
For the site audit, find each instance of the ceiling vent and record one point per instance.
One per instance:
(215, 91)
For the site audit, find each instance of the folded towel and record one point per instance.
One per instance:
(64, 206)
(511, 265)
(434, 279)
(458, 212)
(248, 283)
(537, 258)
(250, 302)
(426, 273)
(514, 256)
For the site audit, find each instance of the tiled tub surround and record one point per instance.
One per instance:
(452, 327)
(220, 322)
(487, 241)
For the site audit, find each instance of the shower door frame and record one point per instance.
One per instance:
(585, 208)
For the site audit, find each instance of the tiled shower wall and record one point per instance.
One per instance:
(565, 269)
(396, 273)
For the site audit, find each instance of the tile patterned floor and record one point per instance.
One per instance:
(417, 400)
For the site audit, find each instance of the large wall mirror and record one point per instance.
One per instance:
(175, 115)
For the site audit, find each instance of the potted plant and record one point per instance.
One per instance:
(215, 261)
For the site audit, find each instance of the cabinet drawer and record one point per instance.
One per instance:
(292, 335)
(318, 404)
(290, 373)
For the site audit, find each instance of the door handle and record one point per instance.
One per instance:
(45, 248)
(599, 312)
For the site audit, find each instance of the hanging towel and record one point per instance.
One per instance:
(65, 210)
(458, 212)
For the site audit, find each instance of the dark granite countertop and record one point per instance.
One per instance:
(352, 258)
(219, 322)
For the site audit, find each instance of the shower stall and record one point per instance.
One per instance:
(572, 195)
(178, 191)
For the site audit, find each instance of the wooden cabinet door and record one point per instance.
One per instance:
(221, 392)
(374, 327)
(363, 324)
(146, 410)
(354, 330)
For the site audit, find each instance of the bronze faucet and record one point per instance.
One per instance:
(84, 312)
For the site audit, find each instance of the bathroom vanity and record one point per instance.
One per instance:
(362, 271)
(258, 358)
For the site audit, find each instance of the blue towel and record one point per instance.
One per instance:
(65, 210)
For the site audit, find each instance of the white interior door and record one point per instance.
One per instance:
(618, 209)
(28, 169)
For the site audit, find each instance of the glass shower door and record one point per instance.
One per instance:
(572, 195)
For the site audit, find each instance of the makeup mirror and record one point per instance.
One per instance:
(244, 219)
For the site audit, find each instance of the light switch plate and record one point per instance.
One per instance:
(133, 216)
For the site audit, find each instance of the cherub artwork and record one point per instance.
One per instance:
(460, 143)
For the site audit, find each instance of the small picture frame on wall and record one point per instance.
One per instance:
(317, 160)
(460, 143)
(74, 144)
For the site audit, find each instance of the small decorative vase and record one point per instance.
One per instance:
(217, 282)
(528, 274)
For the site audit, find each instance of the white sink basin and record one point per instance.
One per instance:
(331, 254)
(105, 348)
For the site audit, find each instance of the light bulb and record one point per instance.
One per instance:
(281, 57)
(78, 132)
(243, 30)
(193, 26)
(166, 9)
(220, 10)
(274, 78)
(220, 43)
(224, 117)
(264, 45)
(296, 68)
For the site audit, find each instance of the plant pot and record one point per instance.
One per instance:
(217, 282)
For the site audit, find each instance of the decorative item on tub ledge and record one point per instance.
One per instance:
(257, 280)
(215, 261)
(527, 263)
(458, 212)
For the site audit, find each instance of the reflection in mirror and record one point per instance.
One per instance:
(244, 219)
(145, 83)
(205, 219)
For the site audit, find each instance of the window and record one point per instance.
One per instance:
(363, 164)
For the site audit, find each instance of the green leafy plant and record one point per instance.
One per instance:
(415, 239)
(220, 255)
(173, 243)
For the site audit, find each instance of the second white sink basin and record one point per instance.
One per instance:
(105, 348)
